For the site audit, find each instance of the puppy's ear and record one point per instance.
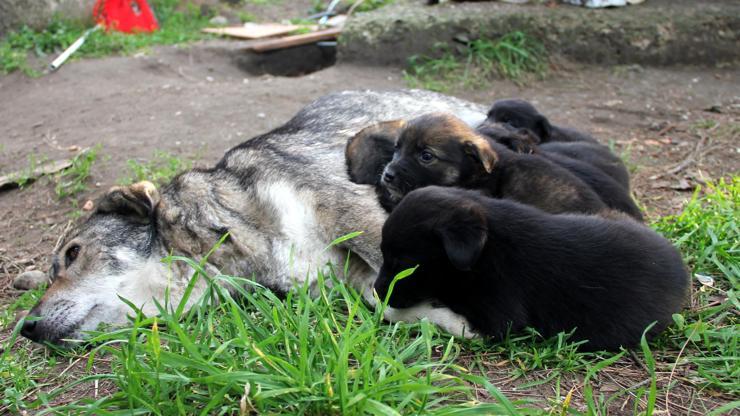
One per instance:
(526, 141)
(464, 235)
(138, 201)
(542, 127)
(479, 148)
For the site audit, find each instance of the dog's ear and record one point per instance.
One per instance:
(139, 201)
(542, 127)
(464, 235)
(525, 141)
(480, 149)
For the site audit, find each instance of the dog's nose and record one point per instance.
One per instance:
(29, 329)
(388, 176)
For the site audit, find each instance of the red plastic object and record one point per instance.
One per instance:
(128, 16)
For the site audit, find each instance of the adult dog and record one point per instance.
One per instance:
(282, 197)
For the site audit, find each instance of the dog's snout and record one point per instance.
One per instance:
(389, 176)
(30, 327)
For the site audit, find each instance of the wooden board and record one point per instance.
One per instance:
(253, 30)
(296, 40)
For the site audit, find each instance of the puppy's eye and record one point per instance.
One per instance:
(426, 156)
(71, 254)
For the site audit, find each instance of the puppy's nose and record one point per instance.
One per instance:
(29, 328)
(389, 176)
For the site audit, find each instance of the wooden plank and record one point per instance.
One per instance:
(296, 40)
(253, 30)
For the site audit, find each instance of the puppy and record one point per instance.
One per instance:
(368, 151)
(506, 266)
(367, 154)
(518, 114)
(595, 154)
(521, 114)
(592, 163)
(440, 149)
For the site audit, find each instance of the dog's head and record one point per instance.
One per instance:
(369, 151)
(520, 114)
(520, 140)
(443, 232)
(114, 252)
(436, 149)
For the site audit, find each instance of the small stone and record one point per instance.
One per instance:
(218, 21)
(88, 205)
(73, 148)
(30, 280)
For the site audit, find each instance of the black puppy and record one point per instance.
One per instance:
(521, 114)
(440, 149)
(592, 163)
(595, 154)
(504, 265)
(367, 154)
(369, 150)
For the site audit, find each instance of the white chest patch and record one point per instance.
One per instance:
(300, 249)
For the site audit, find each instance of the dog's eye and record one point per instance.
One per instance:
(71, 254)
(426, 156)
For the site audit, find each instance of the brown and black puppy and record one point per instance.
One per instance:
(440, 149)
(591, 171)
(507, 266)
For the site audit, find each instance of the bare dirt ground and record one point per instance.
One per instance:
(193, 102)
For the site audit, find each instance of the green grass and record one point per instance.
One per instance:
(320, 355)
(26, 175)
(73, 180)
(19, 370)
(708, 234)
(178, 24)
(515, 56)
(160, 169)
(247, 351)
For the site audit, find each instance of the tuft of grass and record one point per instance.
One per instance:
(514, 56)
(73, 180)
(369, 5)
(27, 175)
(178, 24)
(707, 232)
(245, 17)
(20, 370)
(160, 169)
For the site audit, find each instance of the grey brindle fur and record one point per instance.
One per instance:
(282, 196)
